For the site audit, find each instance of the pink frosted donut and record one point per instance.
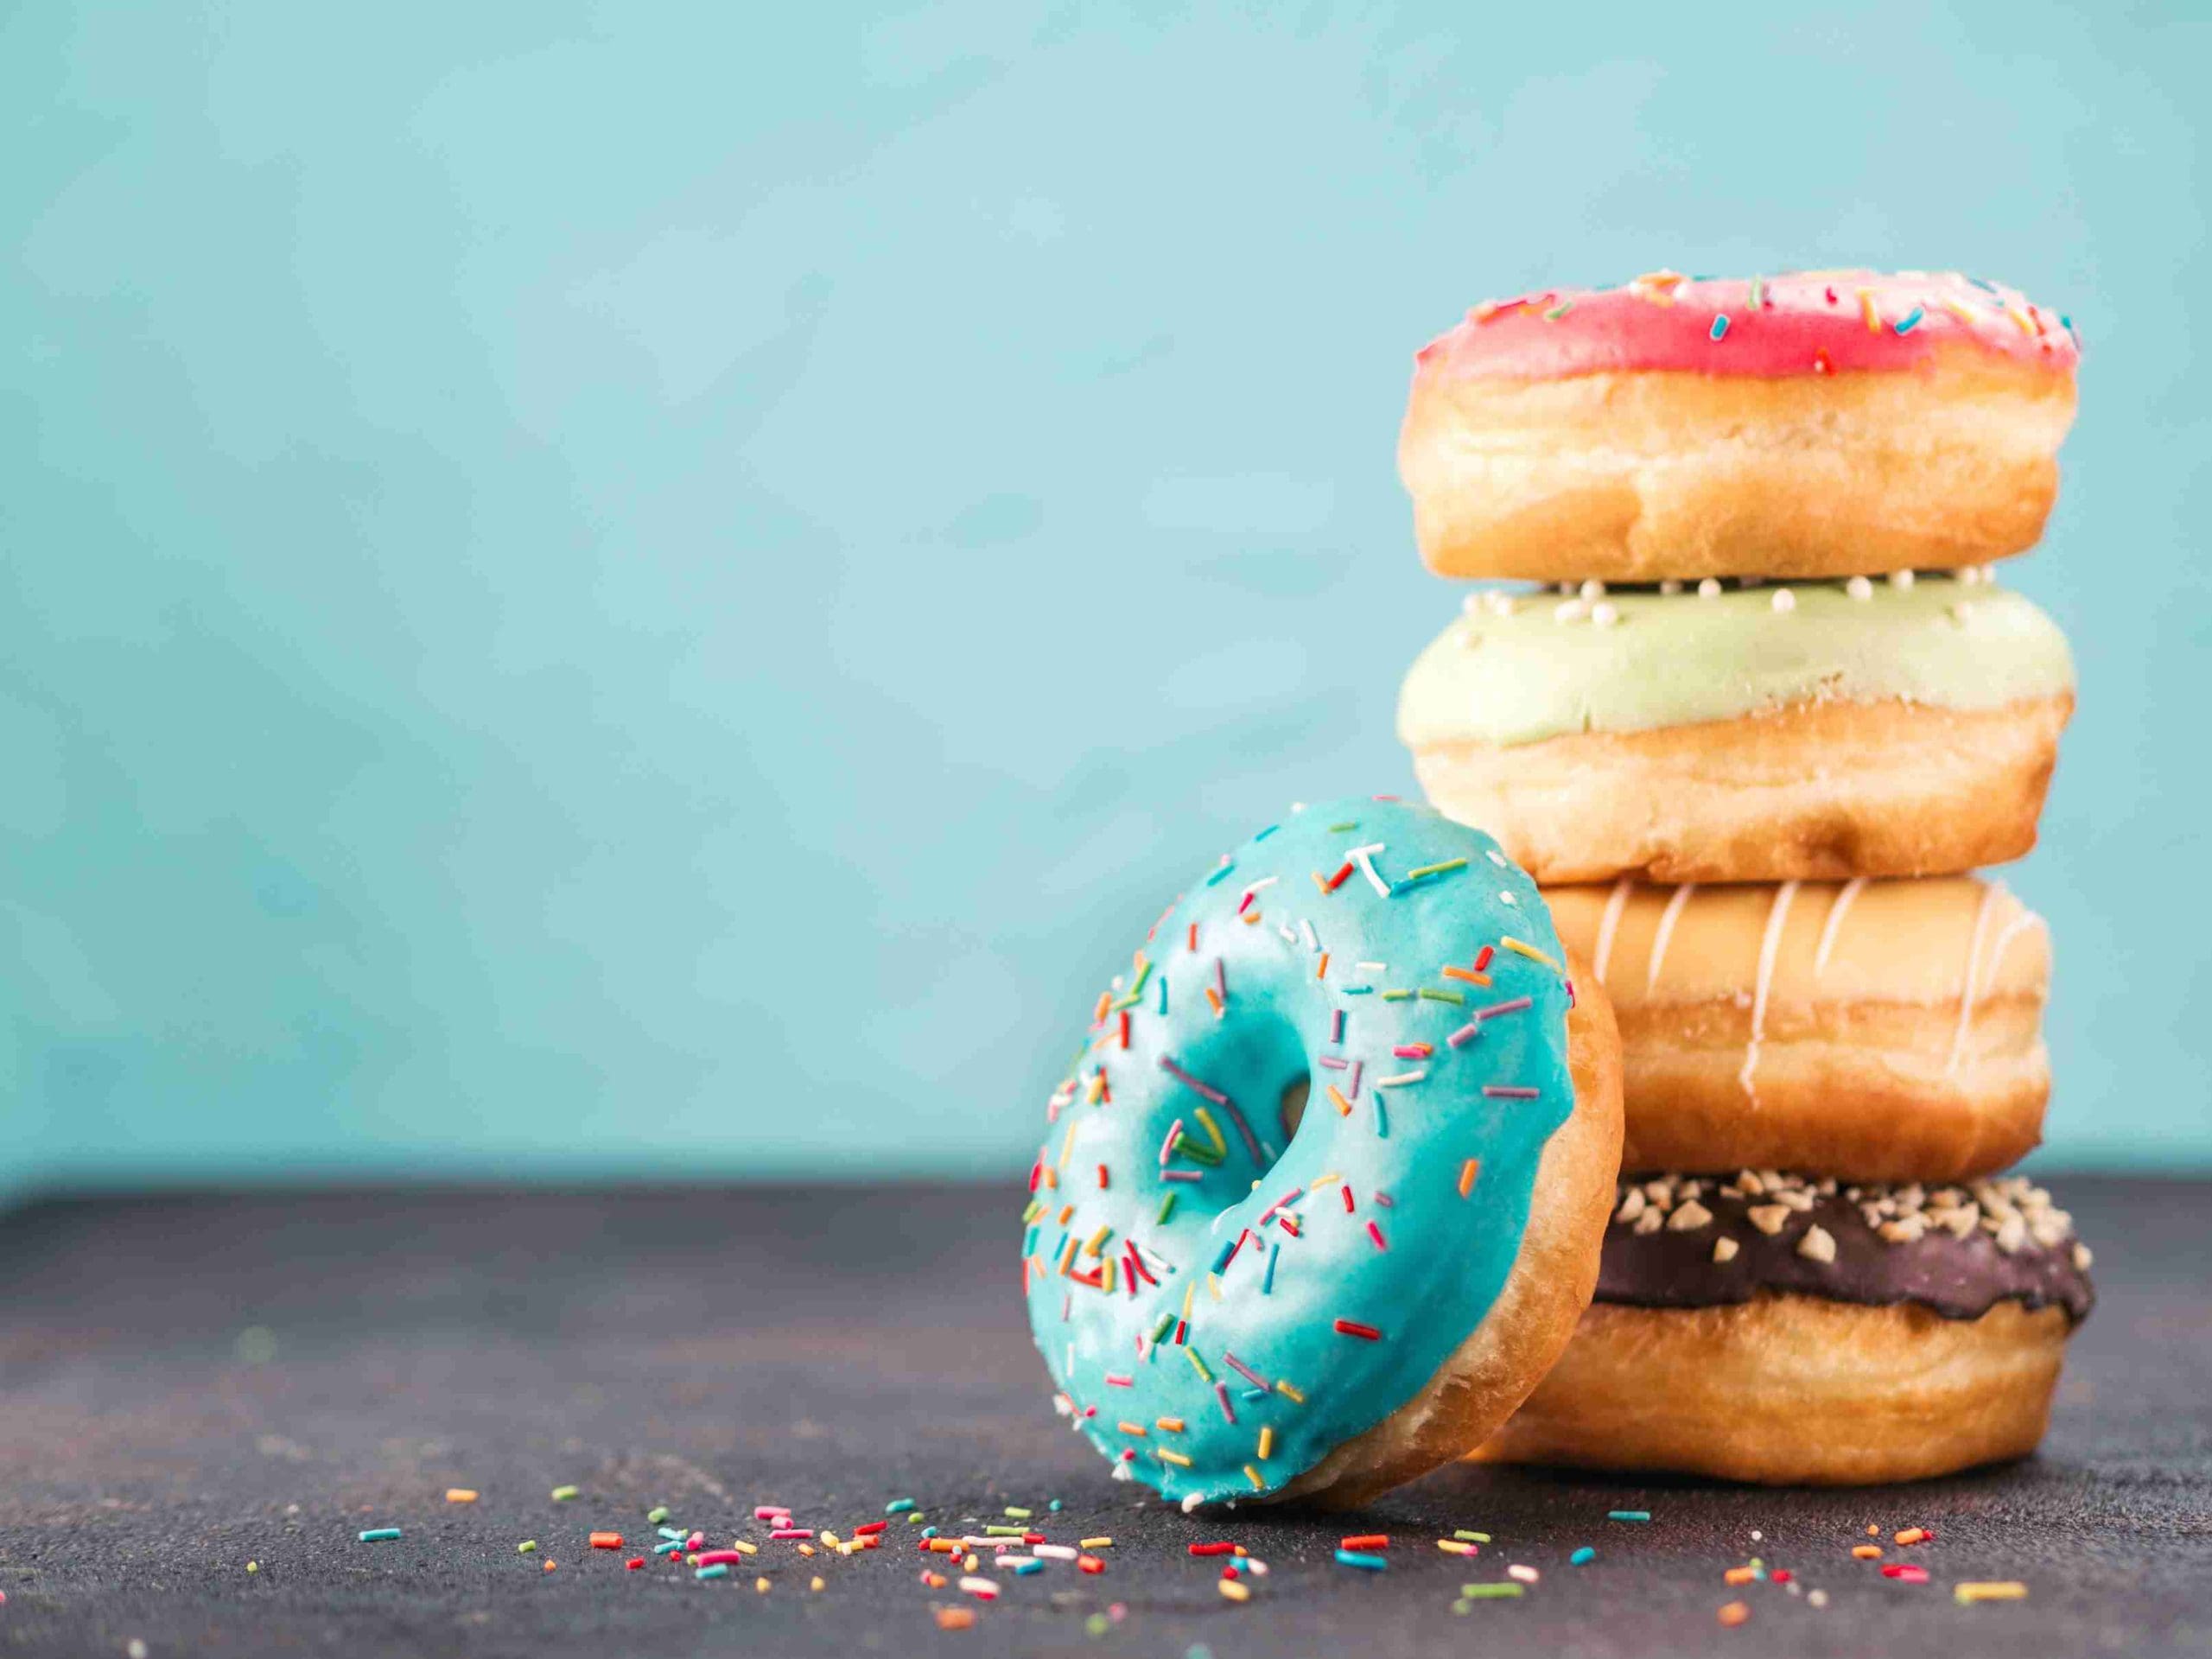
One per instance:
(1820, 424)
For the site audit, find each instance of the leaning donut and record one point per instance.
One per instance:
(1814, 731)
(1817, 424)
(1232, 1306)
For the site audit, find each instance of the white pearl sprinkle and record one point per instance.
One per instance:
(1709, 589)
(1593, 588)
(1900, 578)
(1670, 586)
(1785, 601)
(1605, 615)
(1506, 898)
(1569, 610)
(1474, 602)
(1859, 589)
(1970, 573)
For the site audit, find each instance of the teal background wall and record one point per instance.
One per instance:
(614, 590)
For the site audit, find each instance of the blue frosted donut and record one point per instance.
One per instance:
(1231, 1309)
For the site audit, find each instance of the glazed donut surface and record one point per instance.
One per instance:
(1813, 424)
(1359, 947)
(1876, 1030)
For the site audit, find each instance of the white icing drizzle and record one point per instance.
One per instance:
(1975, 990)
(1833, 925)
(1616, 902)
(1769, 947)
(1667, 918)
(2020, 925)
(1989, 895)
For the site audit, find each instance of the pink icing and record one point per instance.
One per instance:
(1804, 322)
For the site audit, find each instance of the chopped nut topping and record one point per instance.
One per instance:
(2013, 1212)
(1725, 1248)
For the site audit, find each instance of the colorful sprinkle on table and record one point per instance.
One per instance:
(1627, 1515)
(380, 1535)
(1582, 1557)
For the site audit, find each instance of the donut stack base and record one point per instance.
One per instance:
(1768, 1328)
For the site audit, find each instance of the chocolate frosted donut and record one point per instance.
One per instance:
(1779, 1329)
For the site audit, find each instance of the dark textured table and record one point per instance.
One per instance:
(189, 1385)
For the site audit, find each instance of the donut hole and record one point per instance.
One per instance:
(1292, 1109)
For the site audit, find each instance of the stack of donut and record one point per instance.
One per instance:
(1753, 744)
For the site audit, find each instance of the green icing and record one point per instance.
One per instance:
(1413, 1123)
(1671, 659)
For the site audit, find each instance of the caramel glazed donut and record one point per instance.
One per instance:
(1812, 424)
(1743, 732)
(1767, 1328)
(1876, 1030)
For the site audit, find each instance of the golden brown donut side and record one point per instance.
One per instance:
(1637, 475)
(1793, 1390)
(1857, 1090)
(1535, 1317)
(1808, 792)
